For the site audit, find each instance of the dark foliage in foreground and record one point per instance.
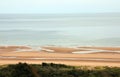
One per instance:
(56, 70)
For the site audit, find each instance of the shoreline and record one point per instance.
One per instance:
(62, 55)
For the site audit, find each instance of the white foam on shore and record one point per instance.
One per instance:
(89, 51)
(48, 50)
(38, 48)
(34, 48)
(31, 48)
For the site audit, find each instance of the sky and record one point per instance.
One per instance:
(59, 6)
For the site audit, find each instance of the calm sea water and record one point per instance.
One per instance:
(62, 30)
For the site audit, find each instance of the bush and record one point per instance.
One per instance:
(56, 70)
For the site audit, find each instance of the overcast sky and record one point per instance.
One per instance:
(59, 6)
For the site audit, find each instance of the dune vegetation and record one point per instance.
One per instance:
(56, 70)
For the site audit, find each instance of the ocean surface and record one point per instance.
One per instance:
(60, 30)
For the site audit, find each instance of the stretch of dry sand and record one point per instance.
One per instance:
(63, 55)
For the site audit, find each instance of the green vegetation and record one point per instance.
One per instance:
(56, 70)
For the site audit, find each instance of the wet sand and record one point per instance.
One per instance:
(105, 56)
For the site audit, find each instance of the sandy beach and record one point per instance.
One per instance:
(87, 56)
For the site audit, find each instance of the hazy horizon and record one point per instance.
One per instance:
(59, 7)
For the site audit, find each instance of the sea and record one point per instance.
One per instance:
(60, 29)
